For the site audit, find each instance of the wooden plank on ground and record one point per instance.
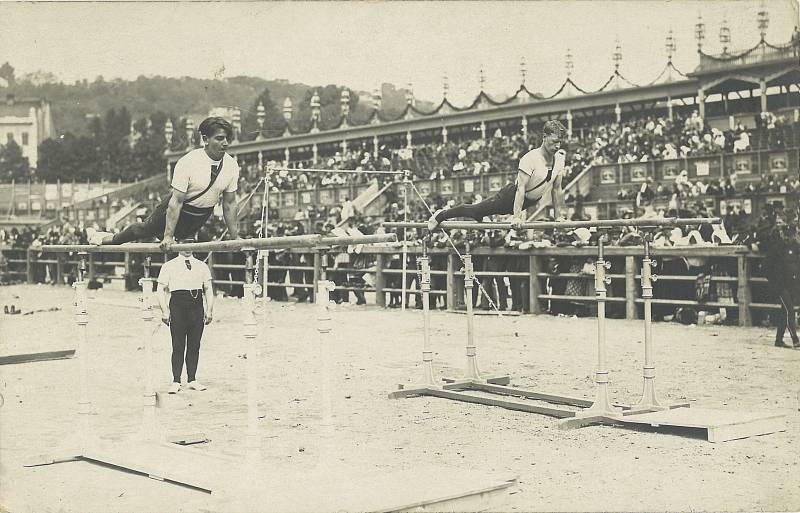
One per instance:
(720, 425)
(36, 357)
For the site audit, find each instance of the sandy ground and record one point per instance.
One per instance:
(597, 468)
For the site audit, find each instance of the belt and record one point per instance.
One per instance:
(197, 211)
(184, 292)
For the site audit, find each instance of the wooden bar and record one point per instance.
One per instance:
(598, 223)
(630, 287)
(226, 245)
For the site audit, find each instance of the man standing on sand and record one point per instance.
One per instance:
(540, 172)
(186, 298)
(200, 177)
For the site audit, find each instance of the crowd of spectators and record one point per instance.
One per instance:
(636, 140)
(633, 140)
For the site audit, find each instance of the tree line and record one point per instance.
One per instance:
(114, 130)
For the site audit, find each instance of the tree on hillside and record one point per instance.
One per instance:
(51, 160)
(273, 120)
(147, 158)
(7, 73)
(114, 151)
(69, 158)
(13, 166)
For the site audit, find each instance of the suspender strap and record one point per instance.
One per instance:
(546, 179)
(214, 174)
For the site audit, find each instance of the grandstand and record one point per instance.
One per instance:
(734, 118)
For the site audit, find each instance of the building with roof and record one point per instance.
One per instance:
(26, 121)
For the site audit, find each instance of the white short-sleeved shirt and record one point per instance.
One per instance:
(176, 275)
(193, 172)
(536, 166)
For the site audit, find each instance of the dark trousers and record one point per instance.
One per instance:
(500, 203)
(186, 327)
(787, 300)
(191, 219)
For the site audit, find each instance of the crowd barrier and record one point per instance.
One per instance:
(528, 273)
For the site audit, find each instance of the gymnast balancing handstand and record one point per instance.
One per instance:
(200, 177)
(540, 171)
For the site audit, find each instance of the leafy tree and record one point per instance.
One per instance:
(13, 165)
(7, 73)
(51, 159)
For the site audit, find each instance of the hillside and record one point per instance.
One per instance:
(73, 103)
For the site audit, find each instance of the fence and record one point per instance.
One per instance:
(527, 274)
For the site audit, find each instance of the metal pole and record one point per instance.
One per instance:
(149, 426)
(405, 239)
(324, 328)
(602, 404)
(82, 320)
(425, 286)
(265, 234)
(471, 372)
(253, 443)
(649, 399)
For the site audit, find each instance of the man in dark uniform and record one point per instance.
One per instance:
(778, 242)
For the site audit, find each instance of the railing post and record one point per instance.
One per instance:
(380, 295)
(451, 282)
(91, 266)
(743, 294)
(28, 266)
(317, 274)
(533, 284)
(630, 287)
(60, 268)
(127, 265)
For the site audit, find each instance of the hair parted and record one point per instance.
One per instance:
(212, 124)
(553, 126)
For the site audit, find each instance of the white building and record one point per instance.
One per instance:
(26, 121)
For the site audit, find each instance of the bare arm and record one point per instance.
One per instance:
(229, 214)
(173, 213)
(558, 198)
(163, 301)
(208, 294)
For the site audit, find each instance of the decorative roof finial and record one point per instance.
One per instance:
(763, 21)
(670, 46)
(724, 35)
(569, 64)
(617, 56)
(699, 32)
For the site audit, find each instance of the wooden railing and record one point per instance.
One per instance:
(529, 277)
